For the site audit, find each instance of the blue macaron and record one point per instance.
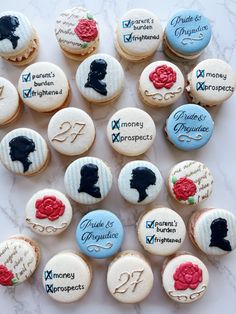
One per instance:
(188, 32)
(189, 127)
(99, 234)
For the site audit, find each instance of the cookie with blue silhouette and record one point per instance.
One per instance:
(99, 234)
(189, 127)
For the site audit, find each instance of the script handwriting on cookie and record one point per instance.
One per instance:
(69, 131)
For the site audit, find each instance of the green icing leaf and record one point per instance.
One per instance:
(191, 200)
(89, 16)
(173, 180)
(14, 281)
(84, 45)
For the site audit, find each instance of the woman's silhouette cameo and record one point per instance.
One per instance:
(97, 73)
(142, 178)
(8, 25)
(20, 148)
(219, 231)
(89, 177)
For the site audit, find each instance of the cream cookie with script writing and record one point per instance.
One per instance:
(161, 84)
(190, 182)
(138, 35)
(44, 87)
(71, 131)
(19, 258)
(77, 33)
(67, 277)
(130, 277)
(161, 231)
(211, 83)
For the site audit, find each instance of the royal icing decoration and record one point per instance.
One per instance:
(86, 30)
(163, 76)
(6, 277)
(187, 276)
(49, 207)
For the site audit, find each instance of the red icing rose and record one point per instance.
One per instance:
(187, 275)
(163, 76)
(6, 276)
(184, 188)
(49, 207)
(86, 30)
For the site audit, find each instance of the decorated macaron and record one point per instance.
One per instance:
(100, 79)
(24, 152)
(138, 35)
(161, 231)
(187, 34)
(185, 278)
(67, 277)
(10, 106)
(44, 87)
(189, 127)
(190, 182)
(88, 180)
(213, 231)
(129, 277)
(77, 33)
(211, 82)
(19, 41)
(71, 131)
(131, 131)
(161, 84)
(19, 258)
(140, 182)
(99, 234)
(48, 212)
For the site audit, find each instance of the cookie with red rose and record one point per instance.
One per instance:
(77, 33)
(48, 212)
(161, 84)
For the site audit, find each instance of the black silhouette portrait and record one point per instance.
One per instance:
(97, 73)
(219, 231)
(8, 25)
(20, 148)
(89, 177)
(142, 178)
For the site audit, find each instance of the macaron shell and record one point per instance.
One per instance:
(161, 83)
(139, 33)
(71, 131)
(190, 182)
(24, 151)
(44, 221)
(19, 258)
(129, 278)
(140, 182)
(99, 234)
(43, 86)
(22, 31)
(66, 277)
(161, 231)
(93, 185)
(187, 289)
(212, 82)
(215, 232)
(9, 101)
(189, 127)
(101, 85)
(188, 32)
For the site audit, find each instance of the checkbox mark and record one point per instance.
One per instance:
(27, 93)
(126, 23)
(128, 38)
(150, 239)
(150, 224)
(26, 77)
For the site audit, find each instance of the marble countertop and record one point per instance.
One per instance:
(219, 155)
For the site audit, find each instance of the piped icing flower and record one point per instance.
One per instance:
(163, 76)
(87, 30)
(49, 207)
(187, 275)
(6, 276)
(184, 189)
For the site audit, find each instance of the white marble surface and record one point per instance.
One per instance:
(219, 155)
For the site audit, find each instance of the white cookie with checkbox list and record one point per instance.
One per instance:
(161, 231)
(44, 87)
